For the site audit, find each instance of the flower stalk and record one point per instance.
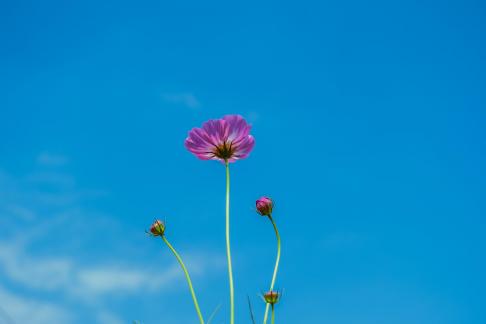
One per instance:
(228, 247)
(275, 270)
(188, 278)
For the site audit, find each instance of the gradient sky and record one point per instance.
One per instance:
(369, 119)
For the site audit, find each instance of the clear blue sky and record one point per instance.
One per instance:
(369, 119)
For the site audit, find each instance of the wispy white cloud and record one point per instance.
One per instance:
(21, 212)
(54, 178)
(50, 159)
(186, 99)
(36, 273)
(43, 218)
(17, 309)
(76, 279)
(106, 317)
(98, 280)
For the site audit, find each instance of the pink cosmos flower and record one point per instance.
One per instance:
(226, 139)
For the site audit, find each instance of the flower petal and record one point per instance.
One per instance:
(216, 130)
(243, 149)
(238, 128)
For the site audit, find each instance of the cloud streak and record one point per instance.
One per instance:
(17, 309)
(51, 160)
(186, 99)
(68, 276)
(49, 215)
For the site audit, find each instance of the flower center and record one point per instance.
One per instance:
(224, 151)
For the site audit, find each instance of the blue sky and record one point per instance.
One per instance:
(369, 119)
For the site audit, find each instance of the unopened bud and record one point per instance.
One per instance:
(264, 206)
(157, 228)
(271, 297)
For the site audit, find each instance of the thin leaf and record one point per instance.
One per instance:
(251, 310)
(213, 314)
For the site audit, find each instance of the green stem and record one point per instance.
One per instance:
(228, 249)
(276, 267)
(188, 278)
(273, 314)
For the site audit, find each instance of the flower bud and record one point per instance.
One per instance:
(264, 206)
(271, 297)
(157, 228)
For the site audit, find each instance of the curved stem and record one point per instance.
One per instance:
(273, 314)
(188, 278)
(228, 249)
(276, 266)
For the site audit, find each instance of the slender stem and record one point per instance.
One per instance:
(228, 249)
(276, 266)
(273, 314)
(188, 278)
